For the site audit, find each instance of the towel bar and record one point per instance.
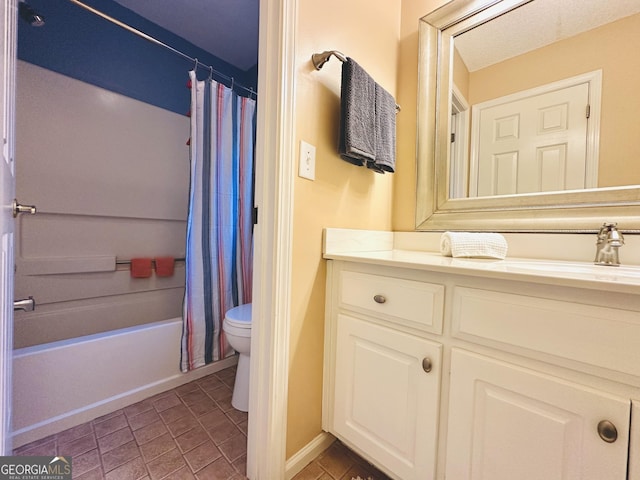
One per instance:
(128, 262)
(319, 59)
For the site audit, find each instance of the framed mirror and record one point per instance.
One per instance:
(527, 116)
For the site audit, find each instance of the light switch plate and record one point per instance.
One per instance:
(307, 161)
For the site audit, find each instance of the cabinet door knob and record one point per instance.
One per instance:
(607, 431)
(379, 298)
(427, 365)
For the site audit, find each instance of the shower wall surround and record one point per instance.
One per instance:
(109, 176)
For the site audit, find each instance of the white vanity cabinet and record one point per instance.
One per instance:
(383, 387)
(507, 422)
(527, 380)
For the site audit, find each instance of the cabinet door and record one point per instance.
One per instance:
(507, 422)
(386, 404)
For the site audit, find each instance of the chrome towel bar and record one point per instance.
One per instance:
(319, 59)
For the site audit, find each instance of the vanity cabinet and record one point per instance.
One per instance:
(437, 373)
(385, 377)
(387, 389)
(507, 422)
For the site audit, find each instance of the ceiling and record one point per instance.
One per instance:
(535, 25)
(227, 29)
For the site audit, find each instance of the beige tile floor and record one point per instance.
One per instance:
(191, 432)
(339, 463)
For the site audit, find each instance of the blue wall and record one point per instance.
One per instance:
(81, 45)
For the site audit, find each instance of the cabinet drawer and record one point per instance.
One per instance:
(410, 302)
(600, 336)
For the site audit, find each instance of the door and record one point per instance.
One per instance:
(534, 144)
(7, 190)
(387, 388)
(507, 422)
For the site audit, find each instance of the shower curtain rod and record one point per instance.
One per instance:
(164, 45)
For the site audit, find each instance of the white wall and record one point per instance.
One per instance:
(109, 176)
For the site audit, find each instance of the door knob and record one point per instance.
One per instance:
(607, 431)
(26, 304)
(17, 208)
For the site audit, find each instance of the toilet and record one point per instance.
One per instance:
(237, 328)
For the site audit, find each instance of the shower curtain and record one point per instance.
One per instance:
(219, 224)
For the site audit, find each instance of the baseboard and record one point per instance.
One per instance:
(307, 454)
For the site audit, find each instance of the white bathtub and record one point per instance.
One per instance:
(63, 384)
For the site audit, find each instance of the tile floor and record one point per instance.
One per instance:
(191, 432)
(339, 463)
(186, 433)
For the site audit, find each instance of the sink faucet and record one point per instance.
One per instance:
(607, 245)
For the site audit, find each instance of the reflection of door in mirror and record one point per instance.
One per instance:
(537, 140)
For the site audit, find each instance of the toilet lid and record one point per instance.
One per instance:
(239, 316)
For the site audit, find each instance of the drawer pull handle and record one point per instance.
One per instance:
(607, 431)
(379, 298)
(427, 365)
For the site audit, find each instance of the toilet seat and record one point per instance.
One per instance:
(239, 317)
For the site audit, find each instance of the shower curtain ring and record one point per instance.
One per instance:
(210, 73)
(195, 67)
(232, 82)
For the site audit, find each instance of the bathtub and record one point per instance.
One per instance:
(63, 384)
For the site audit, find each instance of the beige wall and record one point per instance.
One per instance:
(608, 48)
(384, 40)
(404, 180)
(342, 194)
(460, 74)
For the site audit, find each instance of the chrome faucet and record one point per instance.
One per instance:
(607, 245)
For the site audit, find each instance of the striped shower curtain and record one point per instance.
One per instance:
(219, 226)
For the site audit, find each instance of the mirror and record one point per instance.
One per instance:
(522, 136)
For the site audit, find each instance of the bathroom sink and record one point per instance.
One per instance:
(574, 269)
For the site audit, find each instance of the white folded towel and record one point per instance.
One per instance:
(471, 244)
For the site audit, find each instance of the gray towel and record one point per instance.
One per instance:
(367, 121)
(357, 118)
(385, 130)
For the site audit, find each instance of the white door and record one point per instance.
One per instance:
(507, 422)
(7, 190)
(385, 401)
(535, 144)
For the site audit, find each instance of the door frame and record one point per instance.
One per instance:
(273, 237)
(459, 174)
(266, 449)
(8, 26)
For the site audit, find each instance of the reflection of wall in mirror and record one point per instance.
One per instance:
(611, 48)
(460, 74)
